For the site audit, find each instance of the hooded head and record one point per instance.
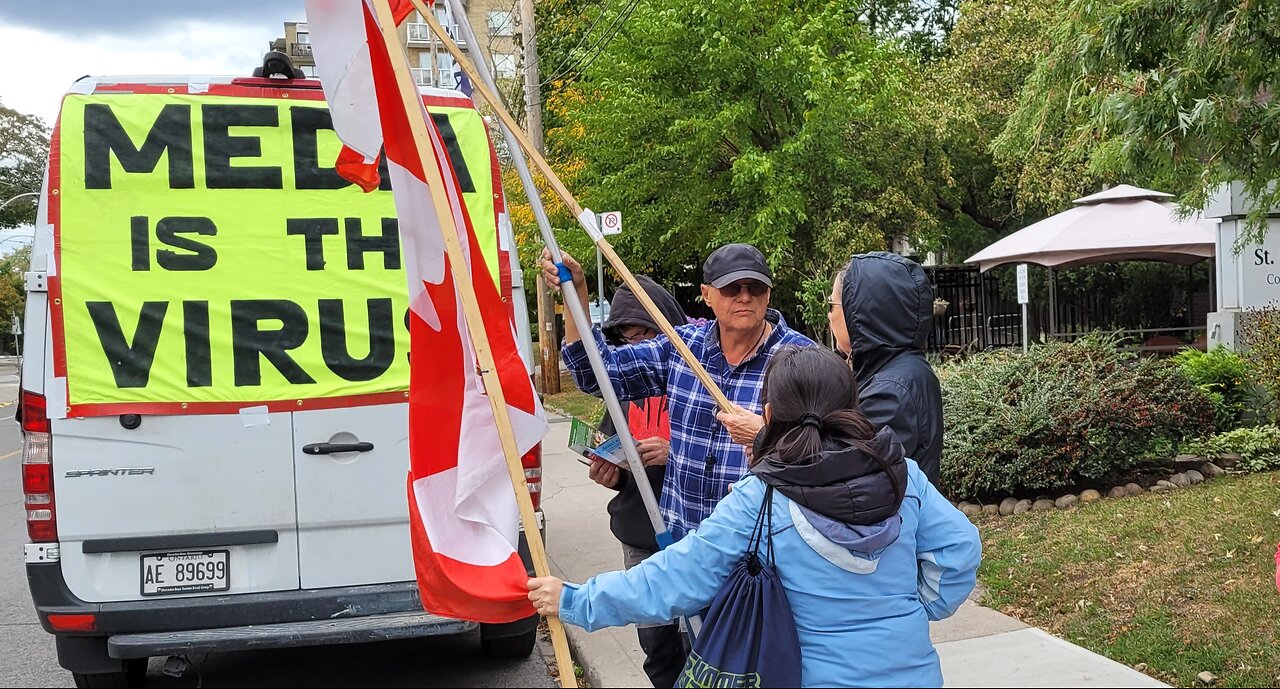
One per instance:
(887, 304)
(625, 310)
(817, 447)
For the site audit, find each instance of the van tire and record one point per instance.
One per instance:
(509, 647)
(134, 674)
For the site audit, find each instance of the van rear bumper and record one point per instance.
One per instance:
(309, 617)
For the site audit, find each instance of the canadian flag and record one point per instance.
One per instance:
(462, 511)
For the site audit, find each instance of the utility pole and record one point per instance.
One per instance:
(532, 81)
(548, 339)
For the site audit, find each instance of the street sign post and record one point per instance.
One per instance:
(1024, 296)
(609, 223)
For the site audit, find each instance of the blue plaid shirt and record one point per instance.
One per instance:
(704, 460)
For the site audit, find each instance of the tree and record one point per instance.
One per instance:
(24, 150)
(991, 50)
(787, 125)
(13, 293)
(1175, 94)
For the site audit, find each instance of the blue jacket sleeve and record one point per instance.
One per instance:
(680, 580)
(948, 551)
(637, 371)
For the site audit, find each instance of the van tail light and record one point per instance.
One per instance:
(532, 461)
(37, 470)
(73, 623)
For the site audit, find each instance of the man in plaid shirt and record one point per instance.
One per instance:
(734, 348)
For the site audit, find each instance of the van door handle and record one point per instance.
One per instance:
(332, 448)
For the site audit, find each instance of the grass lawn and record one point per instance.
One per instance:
(1183, 581)
(574, 403)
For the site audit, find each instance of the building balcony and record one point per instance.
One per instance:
(300, 49)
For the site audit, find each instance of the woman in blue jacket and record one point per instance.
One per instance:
(866, 549)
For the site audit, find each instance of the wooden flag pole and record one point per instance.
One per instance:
(562, 191)
(412, 102)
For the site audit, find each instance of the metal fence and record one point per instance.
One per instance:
(969, 311)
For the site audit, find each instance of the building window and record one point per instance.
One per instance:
(501, 23)
(304, 37)
(447, 78)
(504, 65)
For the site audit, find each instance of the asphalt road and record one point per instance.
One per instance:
(27, 657)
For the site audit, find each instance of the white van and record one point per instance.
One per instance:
(215, 432)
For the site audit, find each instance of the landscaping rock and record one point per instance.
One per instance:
(991, 510)
(1117, 492)
(1210, 470)
(1180, 480)
(1194, 476)
(970, 510)
(1007, 505)
(1133, 489)
(1090, 495)
(1022, 507)
(1229, 460)
(1162, 486)
(1206, 677)
(1066, 501)
(1042, 505)
(1184, 462)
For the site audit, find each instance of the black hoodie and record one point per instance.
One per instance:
(627, 518)
(843, 483)
(888, 309)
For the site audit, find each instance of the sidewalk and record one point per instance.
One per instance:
(979, 647)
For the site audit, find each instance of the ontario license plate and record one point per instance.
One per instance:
(186, 572)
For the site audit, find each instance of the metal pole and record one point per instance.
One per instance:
(577, 310)
(1024, 328)
(600, 283)
(15, 198)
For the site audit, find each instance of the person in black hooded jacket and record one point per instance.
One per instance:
(628, 322)
(881, 312)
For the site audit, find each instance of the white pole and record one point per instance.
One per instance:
(600, 283)
(1024, 327)
(577, 310)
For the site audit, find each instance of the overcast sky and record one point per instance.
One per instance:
(45, 45)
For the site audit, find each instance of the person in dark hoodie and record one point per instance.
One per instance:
(881, 312)
(866, 549)
(628, 323)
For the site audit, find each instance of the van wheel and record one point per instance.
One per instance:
(509, 647)
(134, 675)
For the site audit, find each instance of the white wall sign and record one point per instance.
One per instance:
(1250, 279)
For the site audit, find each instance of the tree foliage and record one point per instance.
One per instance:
(1177, 94)
(793, 128)
(24, 148)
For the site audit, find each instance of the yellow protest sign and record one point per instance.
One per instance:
(209, 258)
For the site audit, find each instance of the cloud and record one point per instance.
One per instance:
(137, 17)
(182, 47)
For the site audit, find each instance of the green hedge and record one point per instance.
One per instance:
(1061, 415)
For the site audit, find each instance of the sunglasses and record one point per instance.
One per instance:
(754, 287)
(637, 336)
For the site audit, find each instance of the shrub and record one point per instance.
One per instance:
(1259, 448)
(1261, 340)
(1225, 377)
(1063, 414)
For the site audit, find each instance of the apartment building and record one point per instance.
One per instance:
(495, 23)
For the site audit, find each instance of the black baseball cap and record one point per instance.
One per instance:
(733, 262)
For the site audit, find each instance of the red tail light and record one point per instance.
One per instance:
(532, 462)
(35, 413)
(37, 470)
(73, 623)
